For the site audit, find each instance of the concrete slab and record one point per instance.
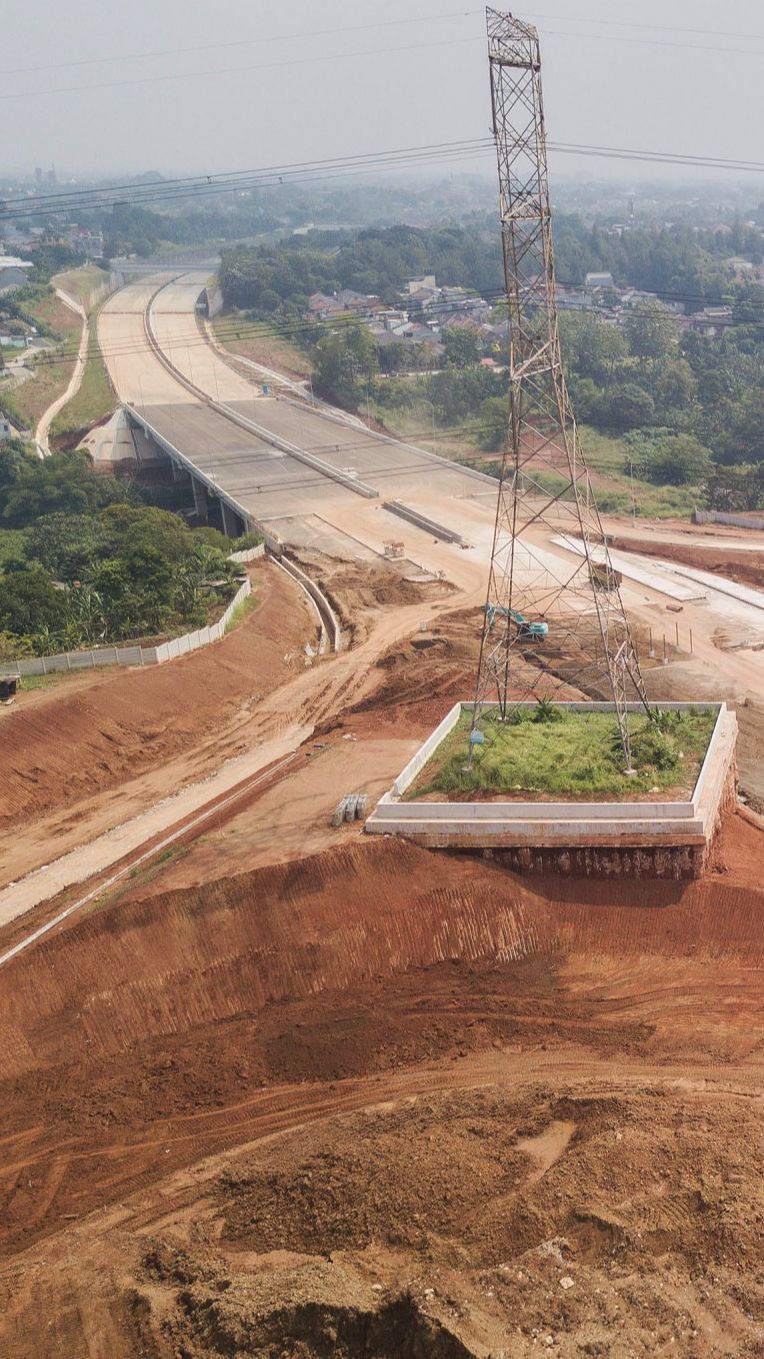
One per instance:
(658, 576)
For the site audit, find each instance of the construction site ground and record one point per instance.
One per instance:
(285, 1090)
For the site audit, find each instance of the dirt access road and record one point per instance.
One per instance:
(46, 420)
(95, 837)
(97, 834)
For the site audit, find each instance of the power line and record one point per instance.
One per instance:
(655, 28)
(240, 42)
(655, 42)
(325, 170)
(233, 70)
(105, 194)
(337, 56)
(241, 329)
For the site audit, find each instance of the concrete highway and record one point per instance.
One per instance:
(306, 507)
(282, 490)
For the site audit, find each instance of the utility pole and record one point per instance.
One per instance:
(576, 592)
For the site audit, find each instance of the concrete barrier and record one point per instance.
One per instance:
(746, 521)
(286, 446)
(327, 413)
(421, 521)
(330, 628)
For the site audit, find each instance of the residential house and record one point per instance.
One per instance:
(712, 321)
(598, 280)
(13, 273)
(322, 307)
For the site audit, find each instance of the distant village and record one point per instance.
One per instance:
(425, 312)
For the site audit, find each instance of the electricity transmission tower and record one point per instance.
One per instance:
(563, 605)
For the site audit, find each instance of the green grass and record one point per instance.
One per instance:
(93, 402)
(576, 755)
(60, 677)
(605, 456)
(241, 611)
(82, 283)
(256, 340)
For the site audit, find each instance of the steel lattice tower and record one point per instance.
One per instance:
(531, 579)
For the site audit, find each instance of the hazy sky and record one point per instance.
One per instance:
(347, 92)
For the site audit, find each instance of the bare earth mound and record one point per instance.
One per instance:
(57, 747)
(428, 1097)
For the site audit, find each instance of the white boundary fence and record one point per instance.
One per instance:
(137, 655)
(746, 521)
(249, 554)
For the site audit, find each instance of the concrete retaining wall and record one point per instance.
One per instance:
(552, 836)
(249, 554)
(332, 633)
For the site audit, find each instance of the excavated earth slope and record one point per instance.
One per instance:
(382, 1102)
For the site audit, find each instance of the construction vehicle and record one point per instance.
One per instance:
(604, 578)
(525, 627)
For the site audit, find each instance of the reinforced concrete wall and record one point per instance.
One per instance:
(651, 838)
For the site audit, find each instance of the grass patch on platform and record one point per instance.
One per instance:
(550, 752)
(242, 611)
(82, 283)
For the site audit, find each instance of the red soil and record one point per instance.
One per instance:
(57, 746)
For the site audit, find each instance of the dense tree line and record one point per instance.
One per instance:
(674, 262)
(95, 565)
(684, 400)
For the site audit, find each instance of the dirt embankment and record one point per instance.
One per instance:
(57, 746)
(358, 590)
(615, 1032)
(746, 568)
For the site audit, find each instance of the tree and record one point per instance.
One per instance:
(587, 399)
(29, 601)
(629, 406)
(343, 360)
(676, 385)
(461, 345)
(668, 459)
(493, 413)
(132, 526)
(65, 544)
(591, 347)
(64, 484)
(746, 436)
(651, 330)
(736, 488)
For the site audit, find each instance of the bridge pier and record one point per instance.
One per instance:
(201, 503)
(232, 523)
